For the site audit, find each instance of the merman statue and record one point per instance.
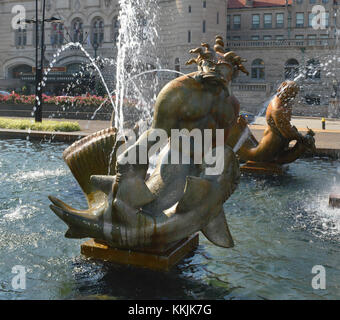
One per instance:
(129, 209)
(274, 148)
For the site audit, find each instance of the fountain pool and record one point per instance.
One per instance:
(282, 227)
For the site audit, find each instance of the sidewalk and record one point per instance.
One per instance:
(327, 141)
(302, 123)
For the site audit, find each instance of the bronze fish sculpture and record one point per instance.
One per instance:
(173, 203)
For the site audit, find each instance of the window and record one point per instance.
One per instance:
(115, 29)
(267, 20)
(279, 20)
(312, 1)
(313, 70)
(228, 22)
(57, 34)
(267, 37)
(97, 31)
(311, 15)
(279, 37)
(254, 38)
(236, 38)
(324, 39)
(204, 4)
(77, 31)
(189, 9)
(299, 37)
(324, 1)
(236, 22)
(203, 26)
(255, 21)
(257, 69)
(326, 19)
(313, 99)
(299, 1)
(189, 36)
(311, 39)
(300, 20)
(20, 37)
(291, 69)
(217, 18)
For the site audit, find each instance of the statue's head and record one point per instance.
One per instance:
(227, 64)
(288, 90)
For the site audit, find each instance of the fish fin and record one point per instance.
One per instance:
(195, 191)
(89, 156)
(134, 192)
(103, 183)
(217, 231)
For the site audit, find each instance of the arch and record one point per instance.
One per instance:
(9, 64)
(77, 30)
(57, 34)
(291, 69)
(72, 59)
(20, 37)
(15, 71)
(313, 69)
(115, 28)
(257, 69)
(97, 30)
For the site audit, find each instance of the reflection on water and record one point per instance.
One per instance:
(282, 227)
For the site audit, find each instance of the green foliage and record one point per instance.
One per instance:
(45, 125)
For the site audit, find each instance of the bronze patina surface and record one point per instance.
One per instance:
(163, 261)
(129, 209)
(274, 148)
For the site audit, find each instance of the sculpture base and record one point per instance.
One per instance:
(264, 168)
(334, 200)
(150, 260)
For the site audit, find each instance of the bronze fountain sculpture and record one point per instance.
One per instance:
(274, 150)
(133, 210)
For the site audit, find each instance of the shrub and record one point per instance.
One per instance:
(45, 125)
(78, 101)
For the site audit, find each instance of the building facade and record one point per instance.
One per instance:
(94, 23)
(278, 39)
(275, 36)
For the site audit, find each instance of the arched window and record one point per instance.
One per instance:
(115, 29)
(77, 30)
(257, 69)
(19, 70)
(20, 37)
(57, 34)
(97, 31)
(291, 69)
(177, 66)
(313, 70)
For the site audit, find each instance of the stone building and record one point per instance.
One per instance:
(182, 25)
(279, 41)
(275, 36)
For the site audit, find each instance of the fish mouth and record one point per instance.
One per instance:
(81, 223)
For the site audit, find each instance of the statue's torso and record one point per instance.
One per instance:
(186, 103)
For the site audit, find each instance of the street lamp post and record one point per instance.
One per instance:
(39, 71)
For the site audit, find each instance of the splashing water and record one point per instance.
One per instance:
(244, 136)
(137, 44)
(92, 61)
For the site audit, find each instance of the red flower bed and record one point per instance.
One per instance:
(88, 100)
